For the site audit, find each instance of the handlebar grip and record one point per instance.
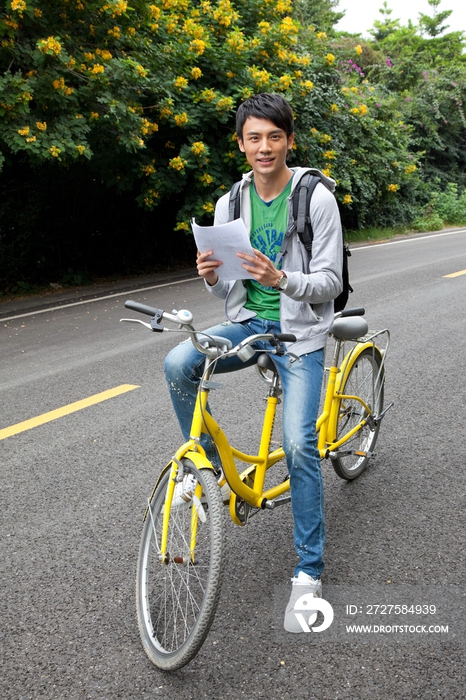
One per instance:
(359, 311)
(142, 308)
(286, 337)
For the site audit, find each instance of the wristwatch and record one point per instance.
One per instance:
(282, 282)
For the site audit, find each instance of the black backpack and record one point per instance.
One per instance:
(302, 222)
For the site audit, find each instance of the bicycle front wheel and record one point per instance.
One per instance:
(177, 598)
(363, 377)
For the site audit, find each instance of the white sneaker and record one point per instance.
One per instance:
(184, 491)
(303, 584)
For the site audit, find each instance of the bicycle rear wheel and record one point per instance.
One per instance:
(177, 599)
(363, 377)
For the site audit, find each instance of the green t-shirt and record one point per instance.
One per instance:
(268, 225)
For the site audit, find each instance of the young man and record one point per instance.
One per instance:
(289, 294)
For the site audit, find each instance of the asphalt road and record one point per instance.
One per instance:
(74, 491)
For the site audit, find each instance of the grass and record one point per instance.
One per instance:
(376, 234)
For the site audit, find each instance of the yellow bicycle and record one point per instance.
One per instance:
(182, 552)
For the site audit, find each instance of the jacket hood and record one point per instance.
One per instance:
(329, 182)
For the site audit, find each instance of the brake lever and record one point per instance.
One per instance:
(137, 320)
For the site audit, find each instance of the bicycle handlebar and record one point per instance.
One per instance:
(216, 346)
(358, 311)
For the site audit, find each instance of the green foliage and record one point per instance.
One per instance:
(445, 207)
(451, 205)
(386, 26)
(321, 14)
(140, 98)
(432, 25)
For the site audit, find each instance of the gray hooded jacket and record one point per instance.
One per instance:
(306, 306)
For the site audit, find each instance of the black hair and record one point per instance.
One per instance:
(266, 106)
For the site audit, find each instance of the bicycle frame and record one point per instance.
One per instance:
(255, 495)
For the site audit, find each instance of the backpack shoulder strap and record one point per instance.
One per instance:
(301, 203)
(234, 207)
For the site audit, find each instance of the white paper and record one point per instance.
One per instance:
(225, 241)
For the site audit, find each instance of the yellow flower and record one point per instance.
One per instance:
(55, 151)
(37, 13)
(197, 46)
(283, 6)
(330, 58)
(141, 71)
(196, 72)
(115, 32)
(321, 35)
(177, 163)
(260, 77)
(329, 155)
(97, 69)
(285, 81)
(147, 126)
(148, 169)
(180, 83)
(410, 169)
(224, 104)
(182, 226)
(181, 119)
(154, 11)
(50, 46)
(208, 207)
(80, 149)
(42, 126)
(18, 6)
(31, 138)
(326, 172)
(334, 107)
(288, 26)
(24, 131)
(264, 27)
(225, 14)
(347, 199)
(198, 148)
(150, 197)
(104, 54)
(206, 179)
(393, 188)
(208, 94)
(363, 109)
(236, 41)
(94, 115)
(307, 85)
(358, 49)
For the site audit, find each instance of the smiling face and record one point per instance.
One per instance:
(266, 147)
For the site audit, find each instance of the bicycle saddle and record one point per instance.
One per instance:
(349, 328)
(265, 362)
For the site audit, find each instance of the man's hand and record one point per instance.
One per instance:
(206, 268)
(261, 268)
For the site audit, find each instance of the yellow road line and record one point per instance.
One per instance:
(456, 274)
(65, 410)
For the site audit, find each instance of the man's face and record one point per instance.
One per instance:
(265, 146)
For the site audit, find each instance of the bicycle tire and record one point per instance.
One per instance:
(363, 377)
(177, 602)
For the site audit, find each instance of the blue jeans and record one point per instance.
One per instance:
(302, 383)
